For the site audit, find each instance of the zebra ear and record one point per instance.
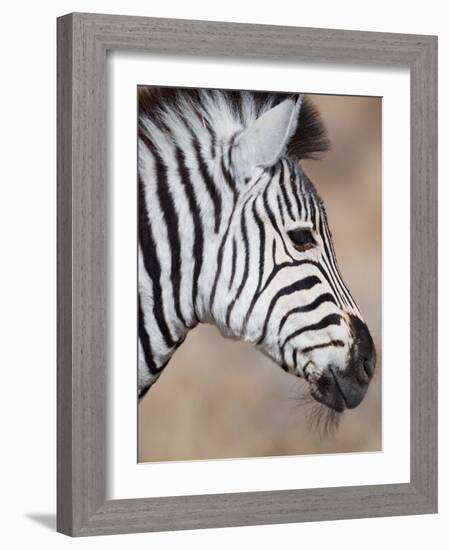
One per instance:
(265, 141)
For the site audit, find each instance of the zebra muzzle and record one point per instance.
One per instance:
(342, 389)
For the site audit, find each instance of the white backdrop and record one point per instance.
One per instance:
(27, 286)
(129, 479)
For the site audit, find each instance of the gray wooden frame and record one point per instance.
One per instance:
(83, 40)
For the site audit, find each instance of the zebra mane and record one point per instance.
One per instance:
(222, 113)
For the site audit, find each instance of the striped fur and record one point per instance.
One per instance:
(215, 231)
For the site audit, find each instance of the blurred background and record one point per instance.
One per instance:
(219, 398)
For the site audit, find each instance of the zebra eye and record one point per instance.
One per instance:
(302, 239)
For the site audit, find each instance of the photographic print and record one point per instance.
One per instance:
(239, 232)
(259, 274)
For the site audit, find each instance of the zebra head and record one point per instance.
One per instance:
(276, 282)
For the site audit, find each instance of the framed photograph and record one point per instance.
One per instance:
(247, 274)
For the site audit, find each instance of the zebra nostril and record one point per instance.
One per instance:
(363, 353)
(363, 371)
(369, 364)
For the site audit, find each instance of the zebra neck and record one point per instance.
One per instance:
(155, 352)
(184, 212)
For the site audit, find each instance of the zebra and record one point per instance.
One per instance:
(233, 232)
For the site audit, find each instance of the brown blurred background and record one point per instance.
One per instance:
(219, 398)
